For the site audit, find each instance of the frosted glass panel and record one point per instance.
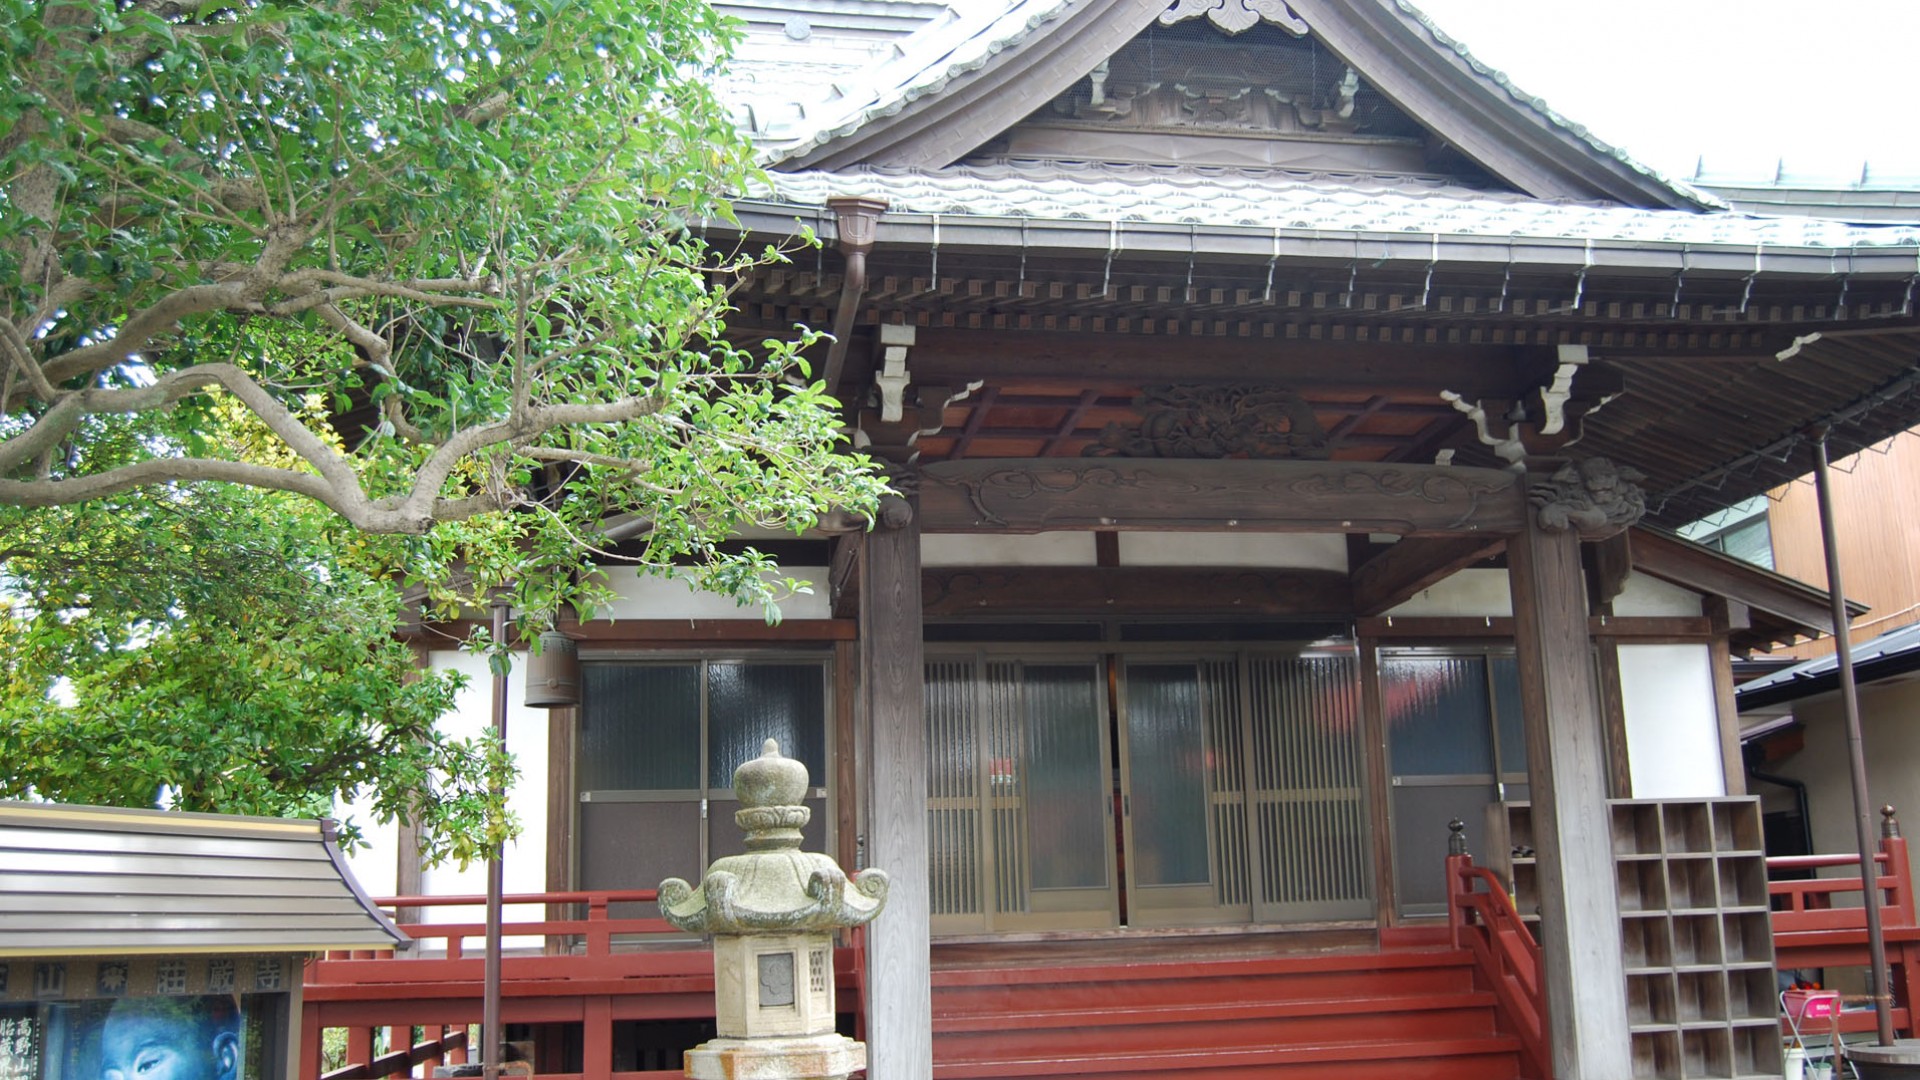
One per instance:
(1436, 714)
(1309, 796)
(953, 789)
(1166, 761)
(748, 704)
(1066, 777)
(640, 727)
(1509, 717)
(1420, 817)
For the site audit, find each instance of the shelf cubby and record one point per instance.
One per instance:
(1700, 996)
(1692, 884)
(1644, 942)
(1651, 1000)
(1656, 1055)
(1748, 937)
(1688, 828)
(1695, 937)
(1736, 829)
(1642, 885)
(1636, 829)
(1750, 995)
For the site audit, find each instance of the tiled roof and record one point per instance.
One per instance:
(961, 40)
(1275, 199)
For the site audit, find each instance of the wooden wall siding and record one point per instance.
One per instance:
(1876, 508)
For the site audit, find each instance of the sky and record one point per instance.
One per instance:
(1746, 85)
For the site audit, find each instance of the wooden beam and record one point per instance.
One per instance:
(1373, 729)
(1723, 614)
(843, 577)
(1133, 590)
(669, 632)
(1413, 564)
(953, 355)
(898, 991)
(1694, 567)
(1567, 773)
(1031, 495)
(1643, 628)
(1613, 718)
(1612, 560)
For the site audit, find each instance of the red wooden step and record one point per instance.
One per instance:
(1484, 1058)
(1186, 1012)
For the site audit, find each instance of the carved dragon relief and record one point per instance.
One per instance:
(1217, 422)
(1237, 16)
(1595, 497)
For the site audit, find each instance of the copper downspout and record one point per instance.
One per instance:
(1856, 754)
(858, 217)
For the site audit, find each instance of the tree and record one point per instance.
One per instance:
(212, 650)
(433, 266)
(445, 255)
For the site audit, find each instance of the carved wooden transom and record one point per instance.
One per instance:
(1217, 422)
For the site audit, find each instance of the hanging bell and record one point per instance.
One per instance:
(553, 673)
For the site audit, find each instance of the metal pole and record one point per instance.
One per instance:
(493, 1041)
(1856, 754)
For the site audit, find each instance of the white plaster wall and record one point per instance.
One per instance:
(377, 866)
(1890, 735)
(1277, 551)
(1479, 591)
(1003, 549)
(1645, 595)
(1673, 727)
(525, 862)
(648, 597)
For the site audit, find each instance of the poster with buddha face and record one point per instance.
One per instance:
(143, 1020)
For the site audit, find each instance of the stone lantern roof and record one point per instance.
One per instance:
(775, 887)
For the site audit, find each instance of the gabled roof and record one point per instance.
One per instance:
(98, 881)
(962, 80)
(1895, 652)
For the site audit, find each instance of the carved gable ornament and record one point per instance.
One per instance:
(1235, 421)
(1594, 497)
(1237, 16)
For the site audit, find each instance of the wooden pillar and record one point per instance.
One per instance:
(1567, 768)
(898, 995)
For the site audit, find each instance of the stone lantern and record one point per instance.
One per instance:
(772, 913)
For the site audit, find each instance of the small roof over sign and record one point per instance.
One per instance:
(100, 881)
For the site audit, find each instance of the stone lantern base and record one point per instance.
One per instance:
(811, 1057)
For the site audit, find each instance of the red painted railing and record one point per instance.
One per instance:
(1820, 922)
(593, 970)
(1481, 919)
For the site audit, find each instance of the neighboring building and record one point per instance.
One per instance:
(1192, 334)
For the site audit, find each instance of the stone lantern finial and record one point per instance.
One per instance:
(775, 888)
(772, 912)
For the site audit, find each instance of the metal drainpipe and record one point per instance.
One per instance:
(494, 1037)
(1856, 754)
(1800, 801)
(858, 217)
